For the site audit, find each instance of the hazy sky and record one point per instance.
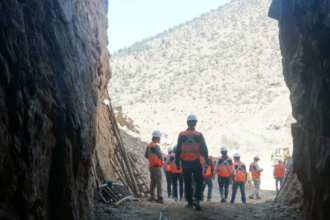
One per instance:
(134, 20)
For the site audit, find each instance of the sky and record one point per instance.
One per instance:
(133, 20)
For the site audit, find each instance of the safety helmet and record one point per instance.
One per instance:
(192, 117)
(157, 134)
(279, 160)
(237, 154)
(257, 157)
(175, 145)
(170, 148)
(223, 148)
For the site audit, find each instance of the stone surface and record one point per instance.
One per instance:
(305, 45)
(53, 69)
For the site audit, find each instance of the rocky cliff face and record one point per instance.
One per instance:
(53, 69)
(305, 45)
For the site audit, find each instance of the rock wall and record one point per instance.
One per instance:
(53, 70)
(305, 45)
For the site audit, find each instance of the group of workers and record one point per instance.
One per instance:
(189, 164)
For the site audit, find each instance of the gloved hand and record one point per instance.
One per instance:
(205, 168)
(177, 163)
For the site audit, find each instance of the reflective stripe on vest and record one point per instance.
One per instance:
(279, 170)
(167, 166)
(253, 170)
(225, 169)
(153, 157)
(190, 149)
(240, 172)
(208, 171)
(174, 168)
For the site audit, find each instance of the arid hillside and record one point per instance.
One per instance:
(229, 56)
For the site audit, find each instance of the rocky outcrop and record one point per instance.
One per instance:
(305, 45)
(53, 69)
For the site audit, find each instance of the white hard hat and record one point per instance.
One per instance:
(157, 134)
(175, 145)
(223, 148)
(237, 154)
(170, 148)
(279, 160)
(192, 117)
(257, 156)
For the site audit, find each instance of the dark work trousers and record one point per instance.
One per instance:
(168, 175)
(175, 178)
(198, 177)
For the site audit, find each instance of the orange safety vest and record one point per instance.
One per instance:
(225, 169)
(279, 170)
(253, 170)
(190, 149)
(208, 171)
(153, 157)
(240, 172)
(167, 166)
(174, 168)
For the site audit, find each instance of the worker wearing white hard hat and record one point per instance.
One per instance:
(256, 174)
(191, 146)
(239, 178)
(224, 168)
(168, 173)
(279, 173)
(156, 162)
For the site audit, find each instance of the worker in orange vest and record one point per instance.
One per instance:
(224, 168)
(207, 176)
(191, 146)
(176, 176)
(239, 178)
(156, 162)
(168, 173)
(279, 173)
(255, 173)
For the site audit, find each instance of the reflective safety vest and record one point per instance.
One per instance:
(253, 170)
(225, 169)
(167, 166)
(174, 168)
(190, 149)
(240, 172)
(208, 171)
(153, 157)
(279, 170)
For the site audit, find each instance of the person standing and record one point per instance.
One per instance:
(225, 170)
(255, 173)
(239, 178)
(191, 146)
(176, 176)
(279, 173)
(156, 162)
(207, 176)
(168, 173)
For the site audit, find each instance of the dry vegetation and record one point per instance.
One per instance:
(229, 56)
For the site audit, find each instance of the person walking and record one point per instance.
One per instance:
(255, 173)
(279, 173)
(207, 176)
(225, 169)
(191, 146)
(156, 162)
(176, 176)
(168, 173)
(239, 178)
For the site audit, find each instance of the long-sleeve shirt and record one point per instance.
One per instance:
(155, 150)
(204, 151)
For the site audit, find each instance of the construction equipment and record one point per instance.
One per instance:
(278, 153)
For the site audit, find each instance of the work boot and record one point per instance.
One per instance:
(181, 199)
(209, 200)
(189, 205)
(175, 199)
(251, 197)
(197, 205)
(258, 197)
(169, 196)
(223, 200)
(151, 199)
(160, 199)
